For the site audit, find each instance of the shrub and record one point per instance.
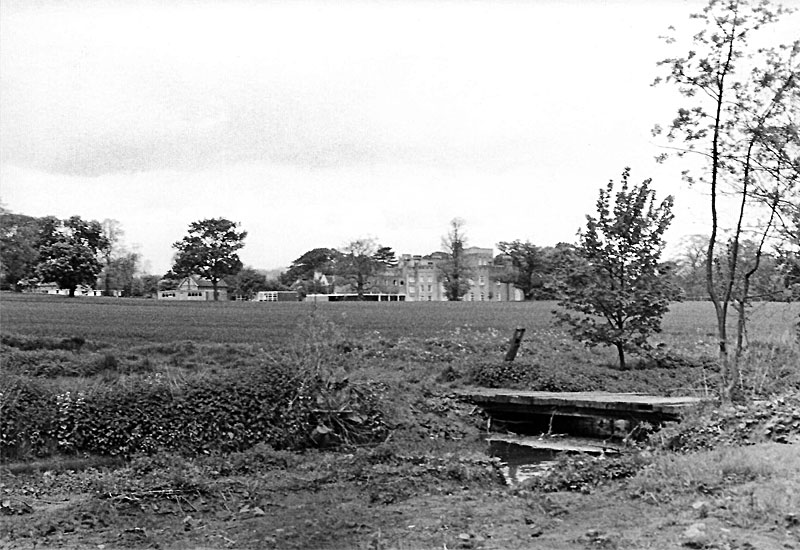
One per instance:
(296, 399)
(28, 418)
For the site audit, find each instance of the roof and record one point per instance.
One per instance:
(205, 283)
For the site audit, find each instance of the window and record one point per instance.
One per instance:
(481, 296)
(411, 280)
(481, 280)
(412, 290)
(430, 288)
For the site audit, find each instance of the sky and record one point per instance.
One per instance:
(315, 123)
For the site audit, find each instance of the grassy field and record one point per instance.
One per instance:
(150, 321)
(165, 377)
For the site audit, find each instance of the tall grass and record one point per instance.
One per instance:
(748, 486)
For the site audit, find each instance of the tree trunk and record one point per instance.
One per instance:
(724, 360)
(621, 353)
(214, 283)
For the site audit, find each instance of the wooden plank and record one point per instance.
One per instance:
(621, 405)
(571, 444)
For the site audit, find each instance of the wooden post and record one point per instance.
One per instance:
(513, 344)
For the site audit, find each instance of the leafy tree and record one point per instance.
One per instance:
(120, 273)
(247, 283)
(356, 264)
(360, 260)
(210, 250)
(112, 231)
(615, 283)
(385, 257)
(169, 281)
(740, 121)
(690, 267)
(788, 251)
(528, 266)
(69, 252)
(455, 271)
(145, 285)
(18, 253)
(303, 269)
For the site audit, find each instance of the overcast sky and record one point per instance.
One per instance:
(315, 123)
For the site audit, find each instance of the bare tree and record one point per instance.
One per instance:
(455, 271)
(740, 120)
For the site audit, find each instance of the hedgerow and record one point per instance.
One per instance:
(289, 402)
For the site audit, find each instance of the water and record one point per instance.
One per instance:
(525, 457)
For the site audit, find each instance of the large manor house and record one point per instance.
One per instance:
(415, 279)
(419, 278)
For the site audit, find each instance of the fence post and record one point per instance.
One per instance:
(513, 344)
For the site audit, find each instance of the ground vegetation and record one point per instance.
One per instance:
(375, 451)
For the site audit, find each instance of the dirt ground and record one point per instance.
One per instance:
(305, 515)
(452, 496)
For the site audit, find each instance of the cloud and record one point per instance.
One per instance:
(101, 89)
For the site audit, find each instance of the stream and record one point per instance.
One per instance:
(524, 457)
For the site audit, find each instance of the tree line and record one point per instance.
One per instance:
(74, 252)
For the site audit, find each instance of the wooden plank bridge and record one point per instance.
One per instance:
(624, 406)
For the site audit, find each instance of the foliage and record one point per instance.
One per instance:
(119, 273)
(385, 257)
(673, 375)
(306, 268)
(454, 269)
(295, 398)
(360, 260)
(528, 266)
(788, 250)
(146, 285)
(616, 283)
(356, 264)
(68, 251)
(18, 253)
(584, 473)
(210, 250)
(776, 419)
(768, 283)
(740, 121)
(246, 283)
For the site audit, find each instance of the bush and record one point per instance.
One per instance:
(293, 400)
(28, 343)
(28, 418)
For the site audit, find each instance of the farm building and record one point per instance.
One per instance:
(353, 297)
(54, 289)
(276, 296)
(195, 288)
